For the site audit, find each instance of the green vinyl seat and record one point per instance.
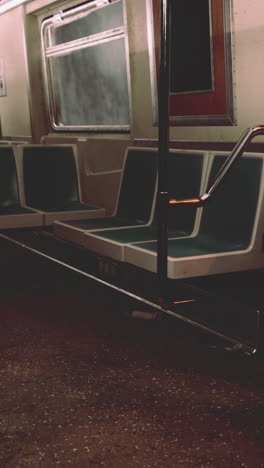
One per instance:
(135, 199)
(186, 174)
(12, 214)
(228, 238)
(51, 182)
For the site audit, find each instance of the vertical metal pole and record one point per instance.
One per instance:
(163, 146)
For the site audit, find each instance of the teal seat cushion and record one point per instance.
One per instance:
(131, 235)
(136, 194)
(99, 223)
(228, 219)
(194, 246)
(231, 213)
(14, 210)
(182, 182)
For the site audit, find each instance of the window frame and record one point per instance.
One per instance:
(49, 51)
(194, 108)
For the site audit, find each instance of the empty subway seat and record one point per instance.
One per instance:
(135, 199)
(12, 214)
(230, 234)
(186, 175)
(51, 182)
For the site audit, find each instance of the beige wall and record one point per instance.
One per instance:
(142, 117)
(14, 108)
(23, 111)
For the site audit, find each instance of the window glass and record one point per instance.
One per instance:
(86, 68)
(97, 21)
(96, 86)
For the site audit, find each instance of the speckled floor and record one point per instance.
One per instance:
(82, 385)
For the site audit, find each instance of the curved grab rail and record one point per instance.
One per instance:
(237, 151)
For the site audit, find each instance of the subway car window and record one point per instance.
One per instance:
(193, 63)
(86, 68)
(201, 78)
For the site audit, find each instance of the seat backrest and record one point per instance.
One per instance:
(50, 176)
(9, 194)
(231, 213)
(137, 189)
(137, 193)
(186, 171)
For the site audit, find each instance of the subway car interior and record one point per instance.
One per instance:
(131, 233)
(127, 153)
(134, 176)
